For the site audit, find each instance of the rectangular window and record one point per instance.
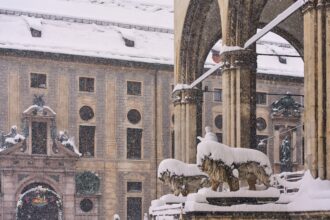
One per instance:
(86, 140)
(134, 138)
(219, 136)
(134, 208)
(217, 96)
(39, 138)
(261, 98)
(38, 80)
(86, 84)
(133, 88)
(262, 146)
(134, 187)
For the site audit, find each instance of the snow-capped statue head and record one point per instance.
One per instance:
(209, 135)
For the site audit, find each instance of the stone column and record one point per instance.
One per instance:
(239, 104)
(185, 109)
(317, 87)
(239, 21)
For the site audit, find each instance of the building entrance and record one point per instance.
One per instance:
(39, 203)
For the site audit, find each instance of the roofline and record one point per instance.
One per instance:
(83, 59)
(117, 62)
(85, 21)
(267, 76)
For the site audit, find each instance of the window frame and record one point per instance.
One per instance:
(266, 98)
(141, 205)
(133, 81)
(94, 142)
(215, 93)
(141, 144)
(134, 181)
(40, 74)
(47, 137)
(86, 78)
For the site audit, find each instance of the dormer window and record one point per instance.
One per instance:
(35, 32)
(282, 59)
(128, 42)
(128, 37)
(35, 25)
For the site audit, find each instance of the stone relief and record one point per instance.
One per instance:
(87, 183)
(180, 184)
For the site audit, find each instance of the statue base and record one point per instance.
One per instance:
(228, 201)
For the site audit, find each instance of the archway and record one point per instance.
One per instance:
(39, 202)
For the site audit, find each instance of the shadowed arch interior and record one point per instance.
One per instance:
(198, 38)
(291, 29)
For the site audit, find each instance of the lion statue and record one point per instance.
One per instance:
(227, 164)
(182, 178)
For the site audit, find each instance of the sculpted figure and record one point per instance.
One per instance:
(227, 164)
(182, 178)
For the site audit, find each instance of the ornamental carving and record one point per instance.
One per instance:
(286, 107)
(87, 183)
(39, 203)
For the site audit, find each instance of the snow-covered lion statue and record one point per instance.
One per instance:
(182, 178)
(228, 164)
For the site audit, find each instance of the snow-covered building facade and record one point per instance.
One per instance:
(90, 91)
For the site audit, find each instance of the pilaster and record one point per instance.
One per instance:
(185, 108)
(239, 104)
(239, 21)
(317, 77)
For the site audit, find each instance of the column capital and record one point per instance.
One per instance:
(187, 96)
(311, 4)
(240, 59)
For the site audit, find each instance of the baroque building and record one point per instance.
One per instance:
(86, 113)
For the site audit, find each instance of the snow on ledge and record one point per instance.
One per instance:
(39, 108)
(176, 167)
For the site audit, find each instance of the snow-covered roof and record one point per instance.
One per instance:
(272, 44)
(98, 28)
(148, 13)
(87, 40)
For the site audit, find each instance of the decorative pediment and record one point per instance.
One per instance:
(38, 109)
(20, 149)
(40, 137)
(286, 107)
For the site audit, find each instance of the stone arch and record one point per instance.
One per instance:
(39, 203)
(201, 29)
(197, 38)
(37, 179)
